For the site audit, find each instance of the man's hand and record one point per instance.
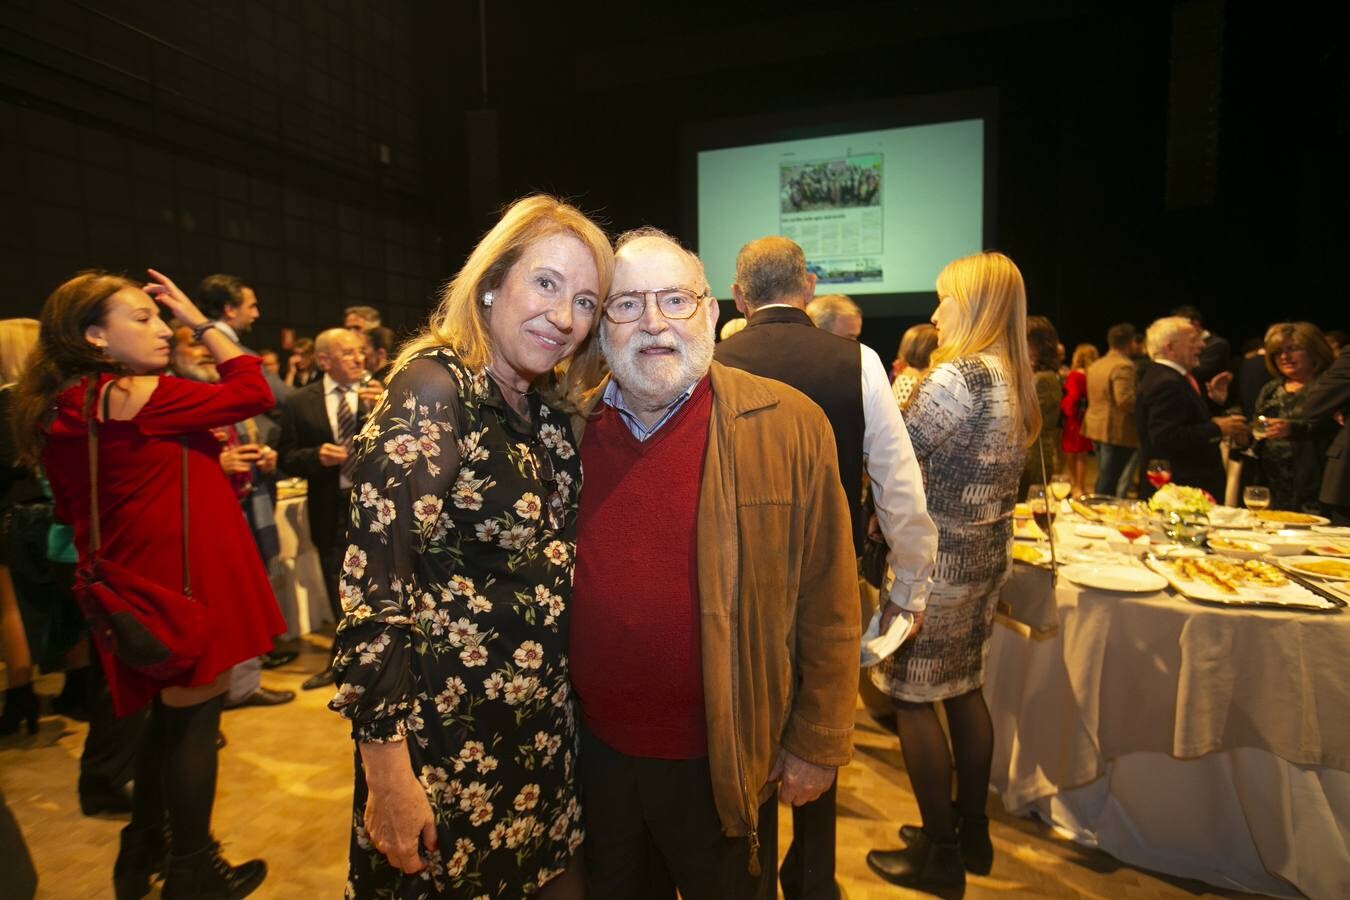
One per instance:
(798, 780)
(267, 461)
(1234, 428)
(1217, 387)
(332, 454)
(369, 393)
(240, 459)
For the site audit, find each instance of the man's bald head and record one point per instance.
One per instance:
(649, 248)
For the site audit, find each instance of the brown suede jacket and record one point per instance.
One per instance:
(778, 589)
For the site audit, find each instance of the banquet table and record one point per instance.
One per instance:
(302, 597)
(1201, 741)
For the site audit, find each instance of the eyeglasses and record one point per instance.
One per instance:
(555, 508)
(674, 303)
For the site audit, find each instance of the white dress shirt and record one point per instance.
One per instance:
(897, 489)
(334, 393)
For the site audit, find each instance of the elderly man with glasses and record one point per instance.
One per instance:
(714, 638)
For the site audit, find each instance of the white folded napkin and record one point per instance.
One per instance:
(877, 646)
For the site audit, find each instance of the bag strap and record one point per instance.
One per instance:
(95, 531)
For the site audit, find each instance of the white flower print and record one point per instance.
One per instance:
(354, 562)
(515, 537)
(461, 586)
(427, 508)
(401, 449)
(520, 689)
(482, 815)
(368, 495)
(480, 604)
(527, 798)
(385, 511)
(557, 553)
(350, 596)
(473, 655)
(462, 632)
(550, 435)
(528, 506)
(493, 685)
(529, 655)
(487, 531)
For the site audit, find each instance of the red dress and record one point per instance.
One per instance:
(1075, 390)
(140, 471)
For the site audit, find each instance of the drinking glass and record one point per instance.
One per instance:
(1042, 509)
(1060, 485)
(1260, 429)
(1158, 473)
(1255, 497)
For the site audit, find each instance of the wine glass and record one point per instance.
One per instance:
(1158, 473)
(1060, 485)
(1042, 510)
(1255, 497)
(1260, 427)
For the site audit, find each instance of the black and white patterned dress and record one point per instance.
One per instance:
(970, 443)
(455, 588)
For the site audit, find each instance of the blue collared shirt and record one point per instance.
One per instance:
(614, 397)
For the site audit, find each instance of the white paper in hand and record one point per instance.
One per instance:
(877, 646)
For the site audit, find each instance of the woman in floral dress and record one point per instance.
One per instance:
(457, 577)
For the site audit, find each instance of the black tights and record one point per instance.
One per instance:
(176, 772)
(929, 762)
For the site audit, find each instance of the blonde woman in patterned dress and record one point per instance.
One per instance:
(457, 578)
(970, 422)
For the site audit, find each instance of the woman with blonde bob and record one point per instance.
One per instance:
(970, 422)
(457, 578)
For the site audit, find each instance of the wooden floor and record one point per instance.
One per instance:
(285, 796)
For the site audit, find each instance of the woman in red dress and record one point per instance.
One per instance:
(102, 351)
(1076, 447)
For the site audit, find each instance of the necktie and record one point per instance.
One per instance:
(346, 431)
(1195, 385)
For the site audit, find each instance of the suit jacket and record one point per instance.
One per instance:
(304, 426)
(782, 343)
(1111, 383)
(1330, 394)
(1174, 424)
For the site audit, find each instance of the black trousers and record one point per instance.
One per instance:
(652, 828)
(808, 865)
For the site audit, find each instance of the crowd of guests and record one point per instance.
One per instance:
(1177, 395)
(551, 690)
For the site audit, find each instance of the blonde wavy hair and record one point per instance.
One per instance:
(990, 316)
(458, 321)
(18, 340)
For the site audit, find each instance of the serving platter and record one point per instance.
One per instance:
(1286, 596)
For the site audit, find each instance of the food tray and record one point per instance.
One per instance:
(1289, 596)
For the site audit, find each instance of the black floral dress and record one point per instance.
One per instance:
(455, 587)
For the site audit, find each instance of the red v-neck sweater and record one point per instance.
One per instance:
(634, 654)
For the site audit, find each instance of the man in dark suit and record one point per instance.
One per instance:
(318, 423)
(1328, 397)
(848, 381)
(1172, 417)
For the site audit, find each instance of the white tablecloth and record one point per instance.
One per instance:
(303, 598)
(1130, 721)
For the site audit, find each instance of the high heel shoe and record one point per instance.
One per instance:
(142, 855)
(21, 705)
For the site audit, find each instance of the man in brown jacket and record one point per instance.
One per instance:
(1109, 420)
(714, 633)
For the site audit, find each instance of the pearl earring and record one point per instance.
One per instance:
(488, 298)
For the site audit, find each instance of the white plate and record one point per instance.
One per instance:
(1309, 520)
(1130, 579)
(1286, 596)
(1096, 532)
(1335, 549)
(1298, 565)
(1333, 530)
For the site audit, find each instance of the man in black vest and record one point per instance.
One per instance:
(848, 381)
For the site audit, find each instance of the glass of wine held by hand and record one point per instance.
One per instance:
(1158, 473)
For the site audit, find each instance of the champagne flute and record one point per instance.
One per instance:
(1256, 498)
(1158, 473)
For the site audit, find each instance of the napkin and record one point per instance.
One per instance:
(877, 646)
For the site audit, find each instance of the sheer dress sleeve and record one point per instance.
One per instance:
(408, 458)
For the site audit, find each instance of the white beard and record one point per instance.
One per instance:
(654, 383)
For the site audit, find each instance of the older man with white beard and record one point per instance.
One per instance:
(714, 637)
